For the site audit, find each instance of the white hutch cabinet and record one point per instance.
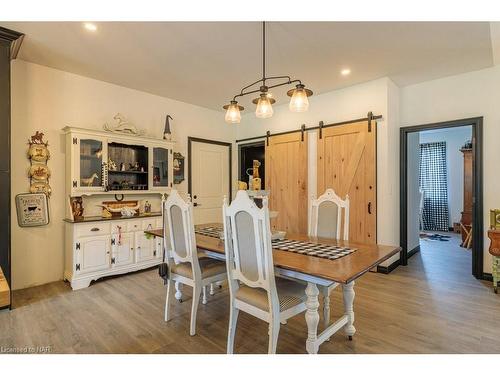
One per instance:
(96, 247)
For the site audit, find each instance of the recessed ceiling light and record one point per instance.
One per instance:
(90, 26)
(345, 72)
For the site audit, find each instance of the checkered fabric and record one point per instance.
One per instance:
(215, 232)
(313, 249)
(294, 246)
(433, 182)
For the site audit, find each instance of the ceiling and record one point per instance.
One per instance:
(206, 63)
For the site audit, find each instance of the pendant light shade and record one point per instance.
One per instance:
(299, 101)
(233, 114)
(264, 106)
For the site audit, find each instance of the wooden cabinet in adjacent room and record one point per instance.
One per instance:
(468, 181)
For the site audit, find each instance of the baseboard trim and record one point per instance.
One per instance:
(388, 269)
(487, 276)
(413, 251)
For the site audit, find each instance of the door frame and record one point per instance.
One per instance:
(477, 188)
(213, 142)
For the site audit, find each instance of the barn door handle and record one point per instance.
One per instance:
(370, 208)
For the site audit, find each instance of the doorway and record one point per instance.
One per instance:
(209, 178)
(441, 192)
(247, 153)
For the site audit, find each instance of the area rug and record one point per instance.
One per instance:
(434, 237)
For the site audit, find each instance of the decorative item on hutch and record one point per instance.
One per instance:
(167, 132)
(39, 172)
(123, 126)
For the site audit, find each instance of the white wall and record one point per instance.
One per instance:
(380, 97)
(413, 161)
(46, 99)
(455, 138)
(467, 95)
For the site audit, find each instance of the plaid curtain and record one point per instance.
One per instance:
(435, 186)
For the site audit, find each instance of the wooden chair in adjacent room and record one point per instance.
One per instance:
(329, 218)
(184, 264)
(253, 287)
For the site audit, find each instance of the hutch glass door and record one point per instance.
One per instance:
(160, 167)
(90, 163)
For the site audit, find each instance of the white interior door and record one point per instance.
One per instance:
(209, 180)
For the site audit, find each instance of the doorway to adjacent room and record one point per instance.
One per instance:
(441, 194)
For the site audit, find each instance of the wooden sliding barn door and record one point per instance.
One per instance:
(347, 164)
(286, 181)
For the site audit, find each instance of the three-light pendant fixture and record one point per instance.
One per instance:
(298, 100)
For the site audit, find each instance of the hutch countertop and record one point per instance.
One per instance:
(90, 219)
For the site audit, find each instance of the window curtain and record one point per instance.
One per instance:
(433, 182)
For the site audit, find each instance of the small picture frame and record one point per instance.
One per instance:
(32, 209)
(178, 168)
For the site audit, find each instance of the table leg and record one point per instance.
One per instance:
(178, 291)
(348, 291)
(312, 318)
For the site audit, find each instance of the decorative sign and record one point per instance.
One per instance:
(178, 168)
(32, 209)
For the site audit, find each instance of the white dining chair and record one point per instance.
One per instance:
(329, 218)
(184, 264)
(253, 287)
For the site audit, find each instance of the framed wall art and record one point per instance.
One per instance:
(32, 209)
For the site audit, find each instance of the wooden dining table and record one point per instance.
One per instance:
(314, 272)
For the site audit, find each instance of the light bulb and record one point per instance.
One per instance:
(233, 115)
(264, 107)
(299, 101)
(90, 26)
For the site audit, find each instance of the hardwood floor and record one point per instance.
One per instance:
(433, 305)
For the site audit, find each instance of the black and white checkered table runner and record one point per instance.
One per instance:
(313, 249)
(300, 247)
(214, 232)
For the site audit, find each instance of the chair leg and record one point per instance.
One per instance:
(194, 308)
(233, 319)
(204, 300)
(274, 330)
(168, 299)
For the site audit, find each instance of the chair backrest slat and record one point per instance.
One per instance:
(326, 216)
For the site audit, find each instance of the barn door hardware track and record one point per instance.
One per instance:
(370, 117)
